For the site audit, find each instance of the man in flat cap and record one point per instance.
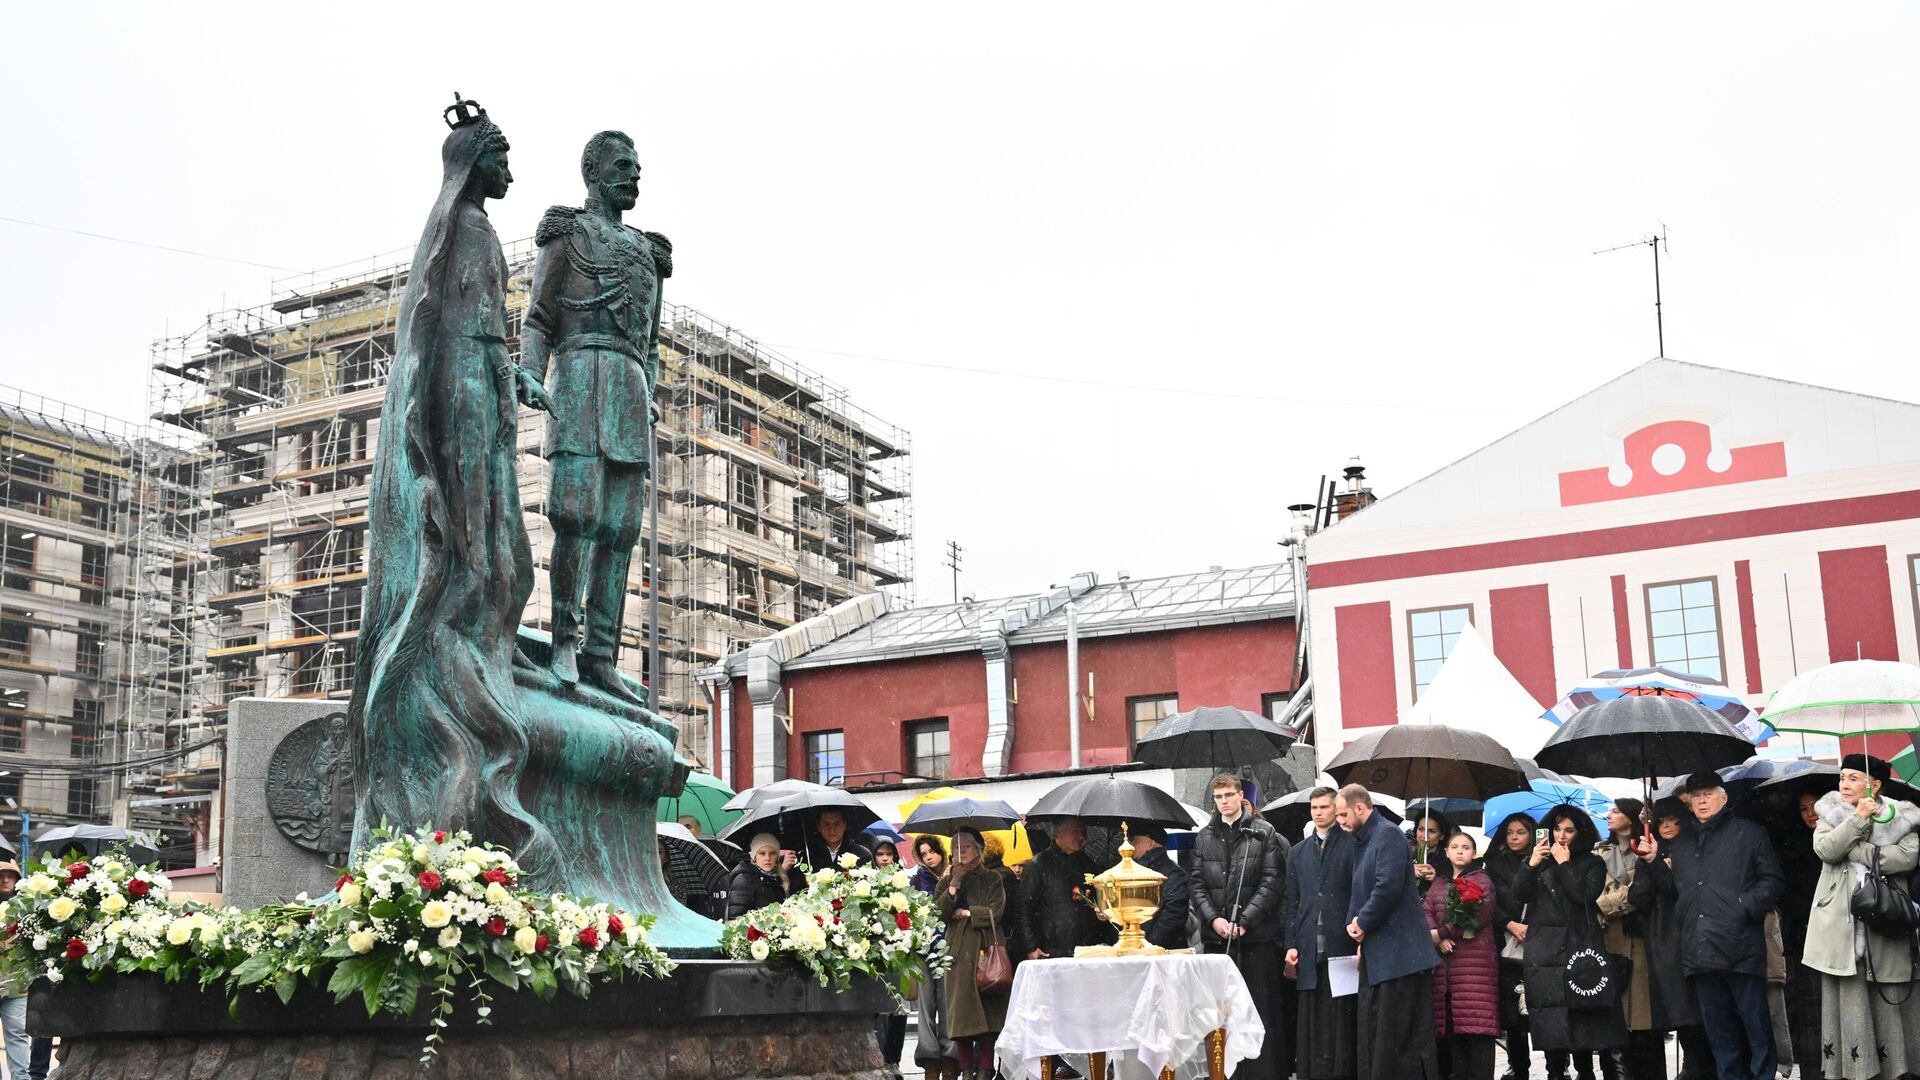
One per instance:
(1725, 878)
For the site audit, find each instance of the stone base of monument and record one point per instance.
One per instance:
(712, 1020)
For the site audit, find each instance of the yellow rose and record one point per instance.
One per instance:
(62, 909)
(436, 914)
(350, 894)
(361, 942)
(525, 939)
(179, 932)
(39, 885)
(114, 904)
(496, 895)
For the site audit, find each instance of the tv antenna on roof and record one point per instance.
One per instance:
(1655, 243)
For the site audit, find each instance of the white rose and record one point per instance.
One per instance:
(525, 939)
(436, 914)
(180, 932)
(857, 950)
(62, 909)
(758, 949)
(449, 937)
(426, 959)
(114, 905)
(361, 942)
(39, 942)
(39, 885)
(422, 856)
(900, 880)
(898, 901)
(350, 894)
(496, 895)
(862, 889)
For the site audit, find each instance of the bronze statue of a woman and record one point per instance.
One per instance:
(436, 731)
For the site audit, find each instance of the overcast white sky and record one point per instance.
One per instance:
(1216, 249)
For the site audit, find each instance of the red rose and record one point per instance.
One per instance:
(615, 926)
(590, 937)
(754, 934)
(430, 881)
(497, 876)
(837, 905)
(497, 926)
(77, 871)
(13, 928)
(540, 943)
(818, 921)
(900, 920)
(139, 887)
(76, 949)
(440, 837)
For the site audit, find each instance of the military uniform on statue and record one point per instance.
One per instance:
(1319, 882)
(1237, 879)
(1397, 956)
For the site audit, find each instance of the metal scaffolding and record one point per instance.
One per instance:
(777, 496)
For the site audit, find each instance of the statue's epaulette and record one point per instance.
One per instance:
(558, 221)
(662, 253)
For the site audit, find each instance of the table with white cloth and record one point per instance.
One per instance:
(1171, 1015)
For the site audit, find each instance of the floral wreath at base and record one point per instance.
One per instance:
(849, 920)
(419, 912)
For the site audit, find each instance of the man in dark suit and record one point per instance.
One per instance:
(1396, 951)
(830, 842)
(1319, 883)
(1168, 927)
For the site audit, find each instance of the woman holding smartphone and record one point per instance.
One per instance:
(1560, 884)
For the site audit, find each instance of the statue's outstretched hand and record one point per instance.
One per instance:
(530, 392)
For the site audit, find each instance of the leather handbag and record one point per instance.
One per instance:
(993, 972)
(1880, 903)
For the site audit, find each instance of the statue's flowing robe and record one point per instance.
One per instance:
(437, 737)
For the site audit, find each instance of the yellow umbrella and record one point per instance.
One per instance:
(1014, 847)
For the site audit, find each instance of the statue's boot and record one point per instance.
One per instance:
(606, 609)
(569, 562)
(601, 673)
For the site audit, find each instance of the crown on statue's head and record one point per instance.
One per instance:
(462, 112)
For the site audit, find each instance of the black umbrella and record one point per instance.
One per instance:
(92, 840)
(944, 817)
(1428, 761)
(765, 793)
(695, 875)
(1109, 800)
(1642, 737)
(1211, 738)
(1289, 814)
(1782, 792)
(1535, 772)
(791, 818)
(728, 852)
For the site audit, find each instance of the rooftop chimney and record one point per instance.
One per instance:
(1357, 495)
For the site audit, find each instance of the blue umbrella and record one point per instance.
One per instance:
(1544, 796)
(882, 830)
(1664, 682)
(1741, 779)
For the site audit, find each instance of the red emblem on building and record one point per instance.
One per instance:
(1673, 455)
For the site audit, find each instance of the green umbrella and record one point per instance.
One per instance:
(704, 800)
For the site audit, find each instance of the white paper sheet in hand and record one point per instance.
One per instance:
(1343, 975)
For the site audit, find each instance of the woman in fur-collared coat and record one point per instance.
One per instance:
(1869, 1013)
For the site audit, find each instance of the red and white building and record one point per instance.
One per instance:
(869, 697)
(1727, 524)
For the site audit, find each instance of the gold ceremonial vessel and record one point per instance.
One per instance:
(1129, 894)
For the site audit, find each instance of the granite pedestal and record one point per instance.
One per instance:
(711, 1020)
(258, 864)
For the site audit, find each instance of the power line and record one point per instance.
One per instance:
(144, 244)
(1150, 388)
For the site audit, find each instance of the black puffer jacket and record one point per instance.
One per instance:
(1725, 877)
(1049, 918)
(1246, 861)
(753, 888)
(1168, 927)
(1561, 919)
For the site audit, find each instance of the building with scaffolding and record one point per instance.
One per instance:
(88, 675)
(778, 498)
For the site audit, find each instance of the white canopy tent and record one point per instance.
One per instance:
(1474, 690)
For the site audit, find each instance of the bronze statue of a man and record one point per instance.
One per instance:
(595, 315)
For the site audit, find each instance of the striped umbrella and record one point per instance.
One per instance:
(1661, 682)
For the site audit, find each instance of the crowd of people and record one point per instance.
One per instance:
(1689, 941)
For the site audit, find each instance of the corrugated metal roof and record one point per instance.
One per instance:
(1122, 607)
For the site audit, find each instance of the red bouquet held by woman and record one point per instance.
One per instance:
(1464, 897)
